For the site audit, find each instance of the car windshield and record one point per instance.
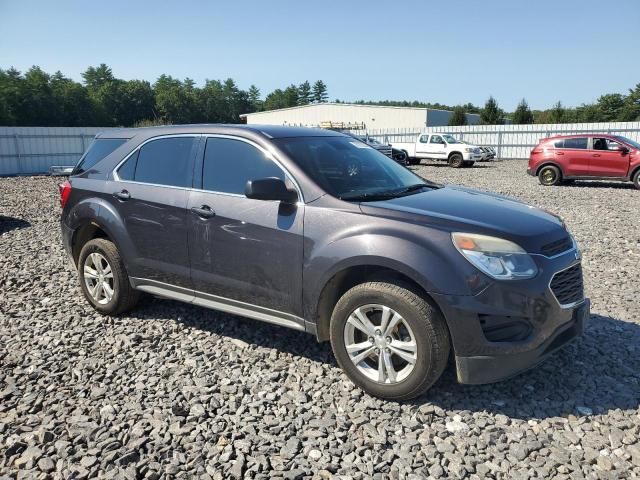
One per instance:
(628, 141)
(450, 139)
(351, 170)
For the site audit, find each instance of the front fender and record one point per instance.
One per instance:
(423, 260)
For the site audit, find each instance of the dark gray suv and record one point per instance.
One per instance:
(316, 231)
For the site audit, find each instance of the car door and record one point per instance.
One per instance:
(151, 189)
(422, 146)
(608, 158)
(437, 147)
(244, 253)
(573, 156)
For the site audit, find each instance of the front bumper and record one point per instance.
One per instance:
(511, 326)
(493, 368)
(530, 172)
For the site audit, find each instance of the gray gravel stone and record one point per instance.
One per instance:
(176, 391)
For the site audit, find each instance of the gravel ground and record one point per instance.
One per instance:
(178, 391)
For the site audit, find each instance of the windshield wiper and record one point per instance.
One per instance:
(373, 196)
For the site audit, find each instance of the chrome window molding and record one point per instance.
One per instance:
(270, 155)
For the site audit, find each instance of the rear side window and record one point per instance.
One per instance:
(99, 149)
(575, 143)
(165, 161)
(229, 164)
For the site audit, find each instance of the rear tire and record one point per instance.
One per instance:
(636, 180)
(455, 160)
(104, 279)
(549, 175)
(413, 160)
(368, 354)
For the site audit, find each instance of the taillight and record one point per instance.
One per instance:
(65, 191)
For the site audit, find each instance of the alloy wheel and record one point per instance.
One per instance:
(98, 278)
(380, 343)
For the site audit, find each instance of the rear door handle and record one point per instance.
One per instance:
(122, 195)
(204, 211)
(559, 153)
(596, 154)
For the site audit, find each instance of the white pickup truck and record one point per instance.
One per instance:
(440, 146)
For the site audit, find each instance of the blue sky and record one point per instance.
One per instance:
(451, 52)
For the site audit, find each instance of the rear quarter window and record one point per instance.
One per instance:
(99, 149)
(576, 143)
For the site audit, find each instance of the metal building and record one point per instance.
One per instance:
(370, 116)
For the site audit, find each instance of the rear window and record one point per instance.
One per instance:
(98, 150)
(575, 143)
(166, 161)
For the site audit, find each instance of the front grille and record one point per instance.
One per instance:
(567, 285)
(386, 151)
(559, 246)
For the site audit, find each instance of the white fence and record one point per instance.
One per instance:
(511, 141)
(33, 150)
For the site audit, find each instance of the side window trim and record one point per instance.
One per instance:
(267, 153)
(135, 151)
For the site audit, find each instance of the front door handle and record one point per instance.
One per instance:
(204, 211)
(122, 195)
(596, 154)
(559, 153)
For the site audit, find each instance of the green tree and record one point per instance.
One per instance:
(522, 114)
(254, 98)
(491, 114)
(95, 77)
(137, 102)
(73, 105)
(174, 102)
(304, 93)
(10, 95)
(319, 92)
(610, 106)
(37, 105)
(459, 116)
(630, 112)
(557, 114)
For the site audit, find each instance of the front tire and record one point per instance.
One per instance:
(104, 279)
(636, 180)
(456, 160)
(389, 341)
(549, 175)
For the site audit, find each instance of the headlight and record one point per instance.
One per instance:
(498, 258)
(468, 150)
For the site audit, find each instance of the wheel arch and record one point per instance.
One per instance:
(347, 278)
(547, 164)
(453, 153)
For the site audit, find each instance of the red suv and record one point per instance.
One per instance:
(585, 157)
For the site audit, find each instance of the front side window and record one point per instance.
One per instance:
(436, 139)
(576, 143)
(99, 149)
(229, 164)
(606, 144)
(165, 161)
(348, 169)
(451, 139)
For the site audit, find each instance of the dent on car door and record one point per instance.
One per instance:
(244, 250)
(151, 190)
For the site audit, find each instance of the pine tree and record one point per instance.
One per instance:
(459, 116)
(320, 92)
(304, 93)
(491, 114)
(557, 113)
(523, 114)
(254, 98)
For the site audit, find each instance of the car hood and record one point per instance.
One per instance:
(463, 209)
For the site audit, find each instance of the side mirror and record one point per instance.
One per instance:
(623, 150)
(270, 189)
